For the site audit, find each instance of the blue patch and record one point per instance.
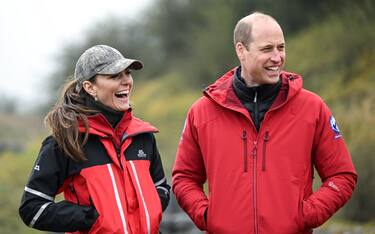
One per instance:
(334, 127)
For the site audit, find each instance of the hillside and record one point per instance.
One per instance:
(16, 131)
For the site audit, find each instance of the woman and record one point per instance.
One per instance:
(104, 160)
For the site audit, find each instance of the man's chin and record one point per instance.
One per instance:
(273, 79)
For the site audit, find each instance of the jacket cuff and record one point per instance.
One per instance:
(90, 217)
(309, 214)
(200, 220)
(205, 216)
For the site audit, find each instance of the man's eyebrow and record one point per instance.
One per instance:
(265, 46)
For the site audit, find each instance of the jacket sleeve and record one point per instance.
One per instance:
(38, 209)
(334, 165)
(158, 177)
(189, 174)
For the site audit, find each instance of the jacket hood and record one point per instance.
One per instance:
(222, 91)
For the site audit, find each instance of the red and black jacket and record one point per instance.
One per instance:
(120, 188)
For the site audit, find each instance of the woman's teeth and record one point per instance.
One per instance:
(124, 93)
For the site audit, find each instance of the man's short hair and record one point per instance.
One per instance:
(242, 31)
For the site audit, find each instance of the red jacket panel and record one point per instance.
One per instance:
(261, 182)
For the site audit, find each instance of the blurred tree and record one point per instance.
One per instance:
(8, 104)
(335, 59)
(189, 36)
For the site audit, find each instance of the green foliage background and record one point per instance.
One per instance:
(186, 45)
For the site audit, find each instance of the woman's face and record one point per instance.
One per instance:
(112, 90)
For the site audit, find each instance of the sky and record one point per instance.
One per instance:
(32, 32)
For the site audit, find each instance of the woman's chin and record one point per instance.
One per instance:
(123, 107)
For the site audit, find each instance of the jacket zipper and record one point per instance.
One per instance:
(256, 111)
(266, 138)
(118, 152)
(244, 139)
(255, 147)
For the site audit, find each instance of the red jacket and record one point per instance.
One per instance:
(122, 180)
(261, 182)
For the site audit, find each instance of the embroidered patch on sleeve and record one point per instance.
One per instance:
(335, 127)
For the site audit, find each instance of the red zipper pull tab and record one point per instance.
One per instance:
(255, 148)
(244, 138)
(266, 138)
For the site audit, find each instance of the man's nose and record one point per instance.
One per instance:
(276, 56)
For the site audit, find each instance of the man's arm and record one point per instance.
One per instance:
(189, 175)
(335, 167)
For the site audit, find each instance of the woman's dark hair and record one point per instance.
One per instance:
(64, 118)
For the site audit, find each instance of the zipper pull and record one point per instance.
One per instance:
(116, 147)
(118, 152)
(266, 137)
(244, 134)
(255, 97)
(244, 139)
(255, 148)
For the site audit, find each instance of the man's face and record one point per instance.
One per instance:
(264, 59)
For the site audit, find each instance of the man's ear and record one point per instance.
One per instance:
(240, 50)
(89, 88)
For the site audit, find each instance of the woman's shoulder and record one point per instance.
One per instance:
(51, 149)
(49, 142)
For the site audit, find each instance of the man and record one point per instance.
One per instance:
(256, 136)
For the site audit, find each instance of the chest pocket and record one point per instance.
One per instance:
(141, 148)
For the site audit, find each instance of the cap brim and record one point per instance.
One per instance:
(120, 65)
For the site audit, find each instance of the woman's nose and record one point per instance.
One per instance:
(125, 80)
(125, 76)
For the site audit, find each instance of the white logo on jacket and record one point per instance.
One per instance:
(141, 154)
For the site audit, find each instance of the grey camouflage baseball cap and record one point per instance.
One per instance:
(104, 60)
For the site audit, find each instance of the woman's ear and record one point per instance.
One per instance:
(89, 88)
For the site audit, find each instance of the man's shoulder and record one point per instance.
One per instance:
(201, 104)
(204, 110)
(310, 96)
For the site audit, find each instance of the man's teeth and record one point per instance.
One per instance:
(273, 68)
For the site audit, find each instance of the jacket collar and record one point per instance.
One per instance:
(246, 94)
(222, 91)
(110, 114)
(127, 126)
